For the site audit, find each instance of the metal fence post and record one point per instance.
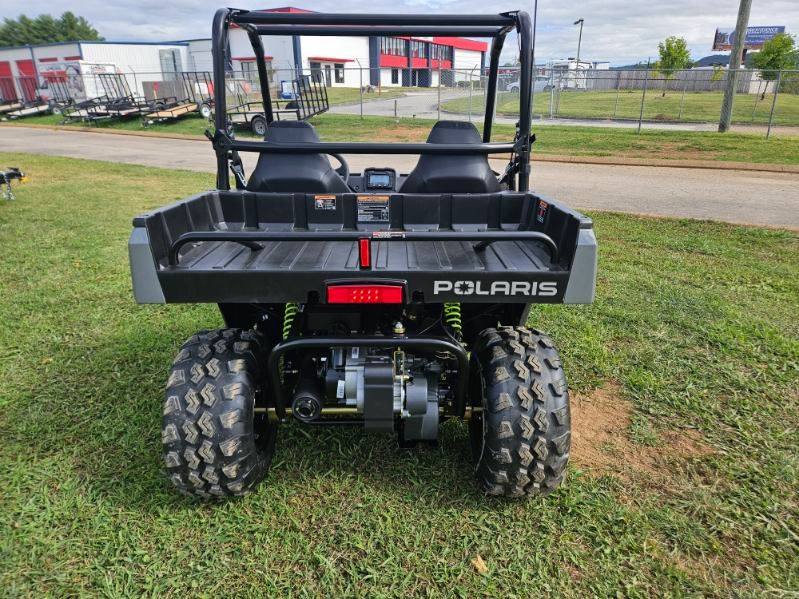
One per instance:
(471, 87)
(757, 98)
(682, 100)
(439, 90)
(773, 104)
(557, 97)
(618, 87)
(360, 85)
(643, 97)
(395, 109)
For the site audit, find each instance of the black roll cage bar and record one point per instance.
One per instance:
(334, 24)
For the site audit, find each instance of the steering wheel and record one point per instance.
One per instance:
(344, 169)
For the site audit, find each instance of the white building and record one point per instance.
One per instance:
(30, 71)
(358, 61)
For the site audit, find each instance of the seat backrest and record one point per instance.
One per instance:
(459, 173)
(310, 173)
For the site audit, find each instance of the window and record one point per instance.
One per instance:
(316, 72)
(339, 72)
(392, 46)
(395, 76)
(418, 49)
(249, 70)
(439, 52)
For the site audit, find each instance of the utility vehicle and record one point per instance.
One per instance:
(377, 298)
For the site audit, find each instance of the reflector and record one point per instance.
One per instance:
(364, 253)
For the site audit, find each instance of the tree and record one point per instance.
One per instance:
(45, 29)
(777, 54)
(674, 55)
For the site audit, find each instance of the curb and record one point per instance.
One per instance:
(106, 131)
(721, 165)
(537, 156)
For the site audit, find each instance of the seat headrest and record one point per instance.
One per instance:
(454, 132)
(291, 132)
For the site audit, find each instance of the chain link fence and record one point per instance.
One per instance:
(691, 99)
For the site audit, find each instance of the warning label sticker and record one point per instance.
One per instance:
(324, 202)
(373, 209)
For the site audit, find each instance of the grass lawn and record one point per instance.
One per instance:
(684, 471)
(560, 140)
(696, 106)
(352, 95)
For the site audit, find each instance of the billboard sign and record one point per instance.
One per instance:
(755, 37)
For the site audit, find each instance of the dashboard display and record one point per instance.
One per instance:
(379, 180)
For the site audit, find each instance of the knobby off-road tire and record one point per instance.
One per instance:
(214, 445)
(521, 439)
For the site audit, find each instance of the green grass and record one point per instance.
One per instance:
(695, 321)
(696, 106)
(352, 95)
(560, 140)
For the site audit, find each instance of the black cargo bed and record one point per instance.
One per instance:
(216, 247)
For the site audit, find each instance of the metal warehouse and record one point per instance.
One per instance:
(28, 72)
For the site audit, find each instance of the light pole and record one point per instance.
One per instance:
(579, 43)
(579, 39)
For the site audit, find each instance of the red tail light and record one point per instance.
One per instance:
(364, 294)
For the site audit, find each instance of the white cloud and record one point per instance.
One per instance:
(621, 31)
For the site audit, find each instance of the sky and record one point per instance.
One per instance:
(618, 31)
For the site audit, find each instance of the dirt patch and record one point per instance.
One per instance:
(399, 134)
(601, 440)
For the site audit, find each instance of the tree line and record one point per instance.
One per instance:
(46, 29)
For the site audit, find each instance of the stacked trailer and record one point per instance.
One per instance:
(32, 102)
(122, 102)
(9, 101)
(60, 97)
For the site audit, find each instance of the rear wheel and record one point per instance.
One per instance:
(214, 444)
(205, 110)
(258, 125)
(521, 438)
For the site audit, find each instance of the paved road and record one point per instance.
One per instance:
(733, 196)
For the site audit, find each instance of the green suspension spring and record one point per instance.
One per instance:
(288, 318)
(452, 317)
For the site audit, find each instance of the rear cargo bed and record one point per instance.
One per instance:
(186, 269)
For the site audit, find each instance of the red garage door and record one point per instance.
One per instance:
(8, 92)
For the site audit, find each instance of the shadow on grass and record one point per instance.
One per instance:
(102, 414)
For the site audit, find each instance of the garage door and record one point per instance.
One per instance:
(8, 92)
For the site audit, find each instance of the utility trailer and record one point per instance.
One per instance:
(200, 90)
(196, 90)
(309, 98)
(382, 299)
(169, 114)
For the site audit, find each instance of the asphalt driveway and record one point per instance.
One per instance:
(757, 198)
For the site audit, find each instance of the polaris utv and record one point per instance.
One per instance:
(383, 299)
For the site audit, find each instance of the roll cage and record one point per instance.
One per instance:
(257, 24)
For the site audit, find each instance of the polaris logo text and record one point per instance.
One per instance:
(541, 289)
